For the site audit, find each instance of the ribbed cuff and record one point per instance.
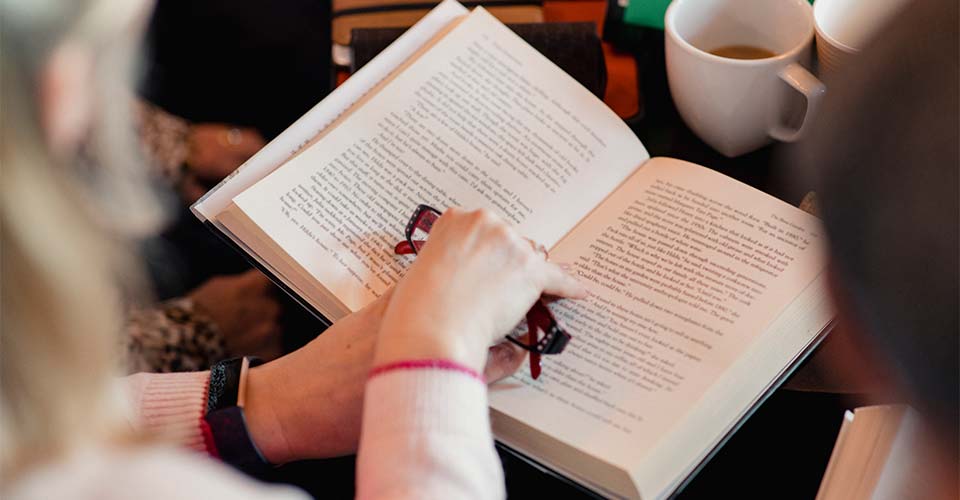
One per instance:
(426, 434)
(426, 398)
(172, 405)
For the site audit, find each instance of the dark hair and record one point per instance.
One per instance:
(884, 154)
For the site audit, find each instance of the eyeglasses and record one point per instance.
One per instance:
(544, 334)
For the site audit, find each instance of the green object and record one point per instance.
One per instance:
(648, 13)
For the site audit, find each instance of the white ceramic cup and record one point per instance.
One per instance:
(739, 105)
(844, 27)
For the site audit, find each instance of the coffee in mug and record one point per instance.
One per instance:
(742, 52)
(749, 94)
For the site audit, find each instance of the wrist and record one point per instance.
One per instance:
(304, 406)
(225, 420)
(264, 422)
(395, 345)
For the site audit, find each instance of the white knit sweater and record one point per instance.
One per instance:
(426, 434)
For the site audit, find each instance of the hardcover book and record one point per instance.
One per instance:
(705, 292)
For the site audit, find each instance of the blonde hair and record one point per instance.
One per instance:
(64, 227)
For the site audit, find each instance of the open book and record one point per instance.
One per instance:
(705, 292)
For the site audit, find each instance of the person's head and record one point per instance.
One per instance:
(885, 157)
(65, 218)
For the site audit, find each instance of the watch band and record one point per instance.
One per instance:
(234, 444)
(228, 425)
(224, 385)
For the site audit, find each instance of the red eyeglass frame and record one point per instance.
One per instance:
(539, 317)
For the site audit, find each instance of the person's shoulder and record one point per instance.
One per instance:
(142, 472)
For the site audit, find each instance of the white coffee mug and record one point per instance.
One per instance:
(739, 105)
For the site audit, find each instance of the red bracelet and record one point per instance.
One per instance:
(421, 364)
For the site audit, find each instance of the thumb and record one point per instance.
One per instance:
(557, 281)
(502, 360)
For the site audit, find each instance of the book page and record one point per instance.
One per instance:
(686, 269)
(481, 119)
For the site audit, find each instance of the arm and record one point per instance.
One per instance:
(426, 430)
(192, 156)
(426, 434)
(225, 316)
(163, 139)
(171, 406)
(310, 403)
(307, 404)
(471, 284)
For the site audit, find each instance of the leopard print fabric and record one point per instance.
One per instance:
(171, 337)
(164, 139)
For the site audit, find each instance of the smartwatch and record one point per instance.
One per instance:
(228, 425)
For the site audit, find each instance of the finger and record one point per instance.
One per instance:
(557, 281)
(251, 141)
(502, 360)
(550, 299)
(216, 169)
(255, 278)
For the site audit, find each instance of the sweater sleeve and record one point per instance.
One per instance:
(426, 434)
(171, 405)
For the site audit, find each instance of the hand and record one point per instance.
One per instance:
(217, 149)
(246, 312)
(474, 280)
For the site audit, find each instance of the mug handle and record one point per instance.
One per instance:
(812, 89)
